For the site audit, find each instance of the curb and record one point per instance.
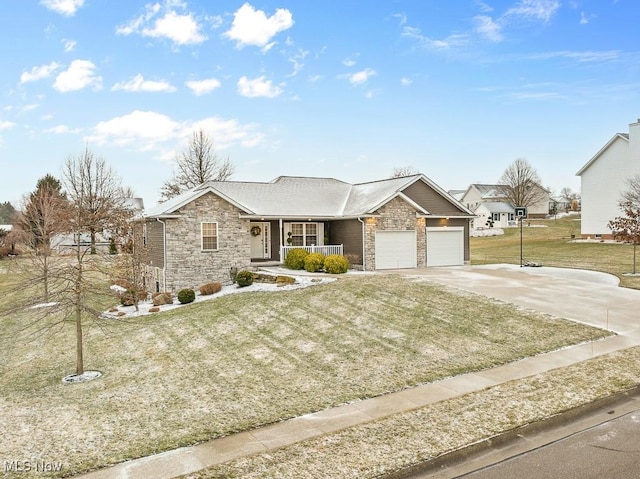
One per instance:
(457, 463)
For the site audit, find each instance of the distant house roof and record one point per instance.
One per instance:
(497, 207)
(296, 197)
(488, 192)
(457, 194)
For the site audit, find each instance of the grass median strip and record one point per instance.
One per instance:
(241, 361)
(403, 440)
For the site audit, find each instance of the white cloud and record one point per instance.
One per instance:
(582, 57)
(5, 125)
(138, 83)
(201, 87)
(258, 87)
(487, 28)
(485, 8)
(181, 29)
(63, 7)
(361, 77)
(38, 73)
(452, 41)
(253, 27)
(149, 130)
(69, 45)
(585, 19)
(79, 75)
(404, 81)
(226, 133)
(539, 9)
(143, 128)
(61, 130)
(297, 60)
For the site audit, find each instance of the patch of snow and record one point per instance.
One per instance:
(44, 305)
(478, 233)
(80, 378)
(302, 281)
(117, 288)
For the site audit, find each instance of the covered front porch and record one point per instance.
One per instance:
(272, 239)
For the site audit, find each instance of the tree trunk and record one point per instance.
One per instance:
(78, 314)
(93, 241)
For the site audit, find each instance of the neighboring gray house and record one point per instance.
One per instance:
(403, 222)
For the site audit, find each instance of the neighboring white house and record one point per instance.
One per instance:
(603, 179)
(489, 201)
(502, 215)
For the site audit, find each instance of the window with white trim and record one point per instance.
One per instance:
(304, 234)
(209, 236)
(495, 216)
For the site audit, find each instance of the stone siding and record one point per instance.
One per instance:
(396, 215)
(187, 266)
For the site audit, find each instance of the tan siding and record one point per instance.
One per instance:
(349, 234)
(431, 200)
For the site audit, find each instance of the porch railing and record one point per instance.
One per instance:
(324, 249)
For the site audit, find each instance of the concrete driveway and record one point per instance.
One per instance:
(586, 296)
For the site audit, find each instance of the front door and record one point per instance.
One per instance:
(260, 240)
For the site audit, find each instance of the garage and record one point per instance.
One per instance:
(396, 249)
(445, 246)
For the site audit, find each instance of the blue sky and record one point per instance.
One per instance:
(339, 88)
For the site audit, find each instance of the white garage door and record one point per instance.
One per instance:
(445, 246)
(396, 249)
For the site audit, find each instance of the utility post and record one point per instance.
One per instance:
(521, 214)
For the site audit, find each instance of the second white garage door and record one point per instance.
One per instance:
(445, 246)
(396, 249)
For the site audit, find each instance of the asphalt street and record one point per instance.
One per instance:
(610, 450)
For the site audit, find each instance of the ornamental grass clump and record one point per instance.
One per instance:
(186, 295)
(244, 278)
(314, 262)
(210, 288)
(336, 264)
(295, 258)
(162, 298)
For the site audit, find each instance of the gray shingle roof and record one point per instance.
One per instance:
(288, 196)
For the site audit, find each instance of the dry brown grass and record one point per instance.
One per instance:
(240, 361)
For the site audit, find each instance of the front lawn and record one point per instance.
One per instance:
(240, 361)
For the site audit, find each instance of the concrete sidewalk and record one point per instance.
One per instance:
(588, 297)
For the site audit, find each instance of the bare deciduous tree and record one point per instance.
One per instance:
(42, 216)
(95, 192)
(401, 171)
(520, 184)
(632, 194)
(198, 164)
(570, 198)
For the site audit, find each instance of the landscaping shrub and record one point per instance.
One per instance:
(210, 288)
(244, 278)
(127, 298)
(295, 258)
(314, 262)
(162, 298)
(336, 264)
(186, 295)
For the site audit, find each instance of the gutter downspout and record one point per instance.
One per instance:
(164, 254)
(364, 266)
